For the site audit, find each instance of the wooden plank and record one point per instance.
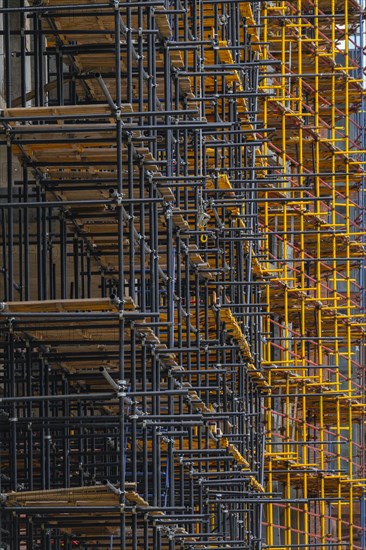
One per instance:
(87, 304)
(75, 110)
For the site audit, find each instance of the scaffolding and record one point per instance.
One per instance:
(314, 253)
(182, 275)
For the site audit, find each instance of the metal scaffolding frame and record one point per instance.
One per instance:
(315, 453)
(131, 317)
(182, 275)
